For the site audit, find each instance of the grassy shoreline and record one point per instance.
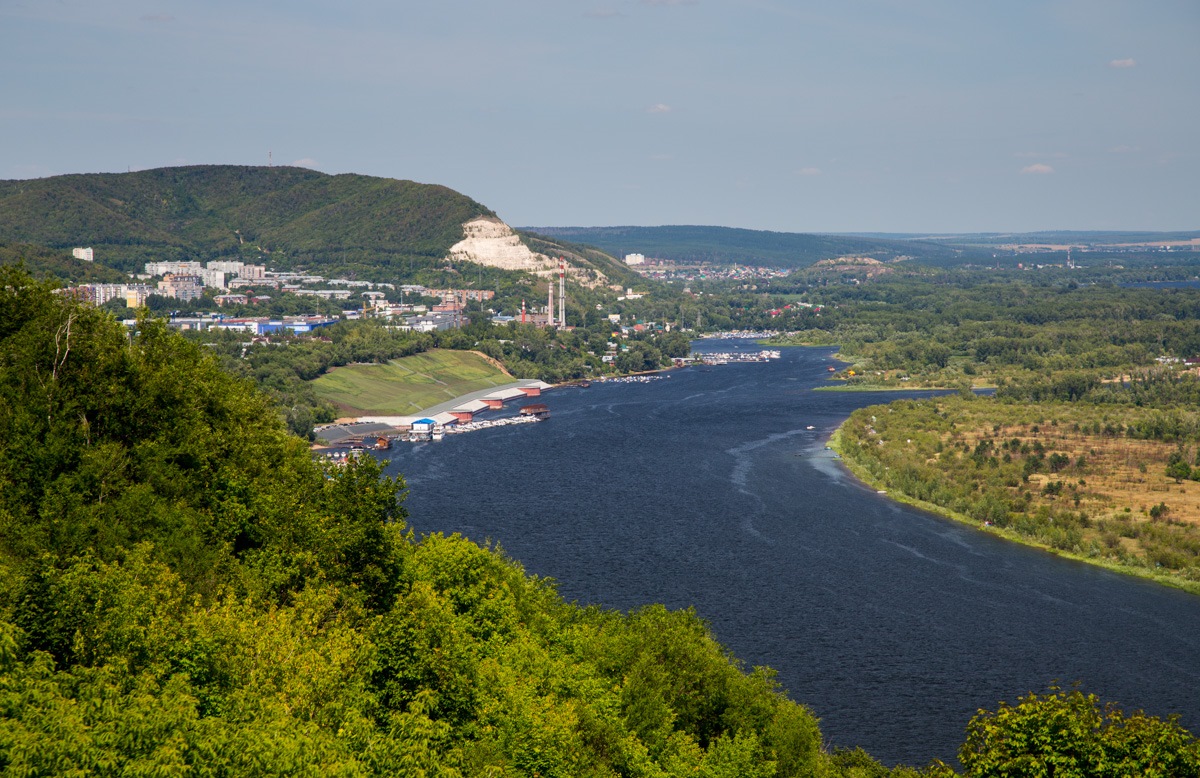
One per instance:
(835, 443)
(882, 388)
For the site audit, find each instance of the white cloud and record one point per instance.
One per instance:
(1123, 63)
(809, 171)
(306, 162)
(1037, 169)
(659, 108)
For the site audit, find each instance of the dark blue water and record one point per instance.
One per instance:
(705, 489)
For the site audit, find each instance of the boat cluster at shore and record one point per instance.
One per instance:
(484, 424)
(747, 335)
(633, 379)
(734, 357)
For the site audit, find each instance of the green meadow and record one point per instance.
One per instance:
(408, 385)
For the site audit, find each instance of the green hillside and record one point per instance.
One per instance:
(613, 268)
(727, 245)
(42, 262)
(366, 227)
(210, 211)
(409, 384)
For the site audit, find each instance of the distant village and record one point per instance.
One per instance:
(666, 270)
(245, 284)
(242, 284)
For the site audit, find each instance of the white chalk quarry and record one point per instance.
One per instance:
(489, 241)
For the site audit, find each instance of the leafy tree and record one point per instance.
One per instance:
(1068, 734)
(1178, 468)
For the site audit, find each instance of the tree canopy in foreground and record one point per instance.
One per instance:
(184, 591)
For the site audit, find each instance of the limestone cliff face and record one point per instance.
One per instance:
(489, 241)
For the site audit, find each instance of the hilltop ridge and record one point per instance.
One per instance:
(359, 224)
(730, 245)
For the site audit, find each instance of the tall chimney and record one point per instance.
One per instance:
(562, 292)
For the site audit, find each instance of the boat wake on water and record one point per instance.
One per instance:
(742, 466)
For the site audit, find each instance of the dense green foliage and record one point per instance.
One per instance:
(727, 245)
(940, 328)
(1069, 735)
(44, 263)
(209, 211)
(182, 589)
(107, 443)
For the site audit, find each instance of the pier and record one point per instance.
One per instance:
(735, 357)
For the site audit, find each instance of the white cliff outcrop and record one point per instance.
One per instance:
(489, 241)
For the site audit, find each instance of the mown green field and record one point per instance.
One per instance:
(408, 385)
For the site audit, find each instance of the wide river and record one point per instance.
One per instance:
(706, 489)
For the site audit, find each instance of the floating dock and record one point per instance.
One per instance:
(734, 357)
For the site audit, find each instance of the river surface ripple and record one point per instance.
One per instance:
(706, 489)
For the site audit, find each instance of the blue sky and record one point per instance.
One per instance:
(863, 115)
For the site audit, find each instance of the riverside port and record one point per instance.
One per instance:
(734, 357)
(349, 437)
(749, 335)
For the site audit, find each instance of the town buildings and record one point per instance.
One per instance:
(181, 287)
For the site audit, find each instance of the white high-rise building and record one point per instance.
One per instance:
(232, 268)
(237, 269)
(178, 268)
(634, 259)
(210, 277)
(87, 255)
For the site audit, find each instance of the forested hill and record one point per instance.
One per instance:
(728, 245)
(210, 211)
(184, 591)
